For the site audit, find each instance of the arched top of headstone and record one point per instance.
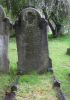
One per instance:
(33, 10)
(30, 16)
(2, 13)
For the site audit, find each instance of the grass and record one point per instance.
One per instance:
(7, 79)
(4, 81)
(36, 87)
(61, 62)
(13, 55)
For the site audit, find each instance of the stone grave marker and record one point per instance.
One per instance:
(4, 37)
(32, 41)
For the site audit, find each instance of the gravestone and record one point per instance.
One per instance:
(4, 37)
(32, 42)
(68, 51)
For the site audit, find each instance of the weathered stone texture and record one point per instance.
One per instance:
(4, 37)
(32, 43)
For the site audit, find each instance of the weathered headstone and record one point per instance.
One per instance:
(68, 51)
(32, 43)
(4, 37)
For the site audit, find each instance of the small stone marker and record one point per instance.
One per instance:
(4, 37)
(68, 51)
(32, 42)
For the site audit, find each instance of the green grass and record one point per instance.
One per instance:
(7, 79)
(4, 81)
(61, 62)
(34, 86)
(13, 55)
(31, 86)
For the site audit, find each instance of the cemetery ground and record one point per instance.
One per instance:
(39, 87)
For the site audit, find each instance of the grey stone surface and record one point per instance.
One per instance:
(32, 42)
(4, 37)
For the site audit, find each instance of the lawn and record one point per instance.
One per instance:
(39, 87)
(61, 62)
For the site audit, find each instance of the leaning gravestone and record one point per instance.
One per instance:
(32, 43)
(4, 37)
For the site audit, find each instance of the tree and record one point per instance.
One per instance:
(59, 15)
(55, 10)
(15, 6)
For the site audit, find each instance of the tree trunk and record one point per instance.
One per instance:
(59, 29)
(49, 23)
(52, 29)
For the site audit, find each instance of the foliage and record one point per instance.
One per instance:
(59, 12)
(16, 6)
(57, 9)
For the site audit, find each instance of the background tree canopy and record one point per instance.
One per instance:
(56, 11)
